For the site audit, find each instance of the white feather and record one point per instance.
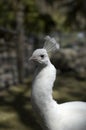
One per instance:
(50, 44)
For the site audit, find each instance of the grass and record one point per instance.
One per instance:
(15, 106)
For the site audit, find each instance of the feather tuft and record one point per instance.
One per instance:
(50, 44)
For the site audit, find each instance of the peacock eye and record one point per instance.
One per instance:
(42, 56)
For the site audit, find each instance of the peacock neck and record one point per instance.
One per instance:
(42, 87)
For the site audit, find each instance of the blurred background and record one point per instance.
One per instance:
(23, 26)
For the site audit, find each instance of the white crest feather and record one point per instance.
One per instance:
(50, 44)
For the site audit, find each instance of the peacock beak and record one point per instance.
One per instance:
(32, 58)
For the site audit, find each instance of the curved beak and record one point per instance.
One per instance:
(32, 58)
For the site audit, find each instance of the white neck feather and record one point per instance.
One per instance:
(42, 88)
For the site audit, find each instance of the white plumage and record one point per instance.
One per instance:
(53, 116)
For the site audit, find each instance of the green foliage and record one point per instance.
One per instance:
(74, 12)
(63, 15)
(34, 21)
(6, 14)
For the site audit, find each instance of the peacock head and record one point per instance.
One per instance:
(41, 56)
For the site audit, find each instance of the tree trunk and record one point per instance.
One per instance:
(19, 40)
